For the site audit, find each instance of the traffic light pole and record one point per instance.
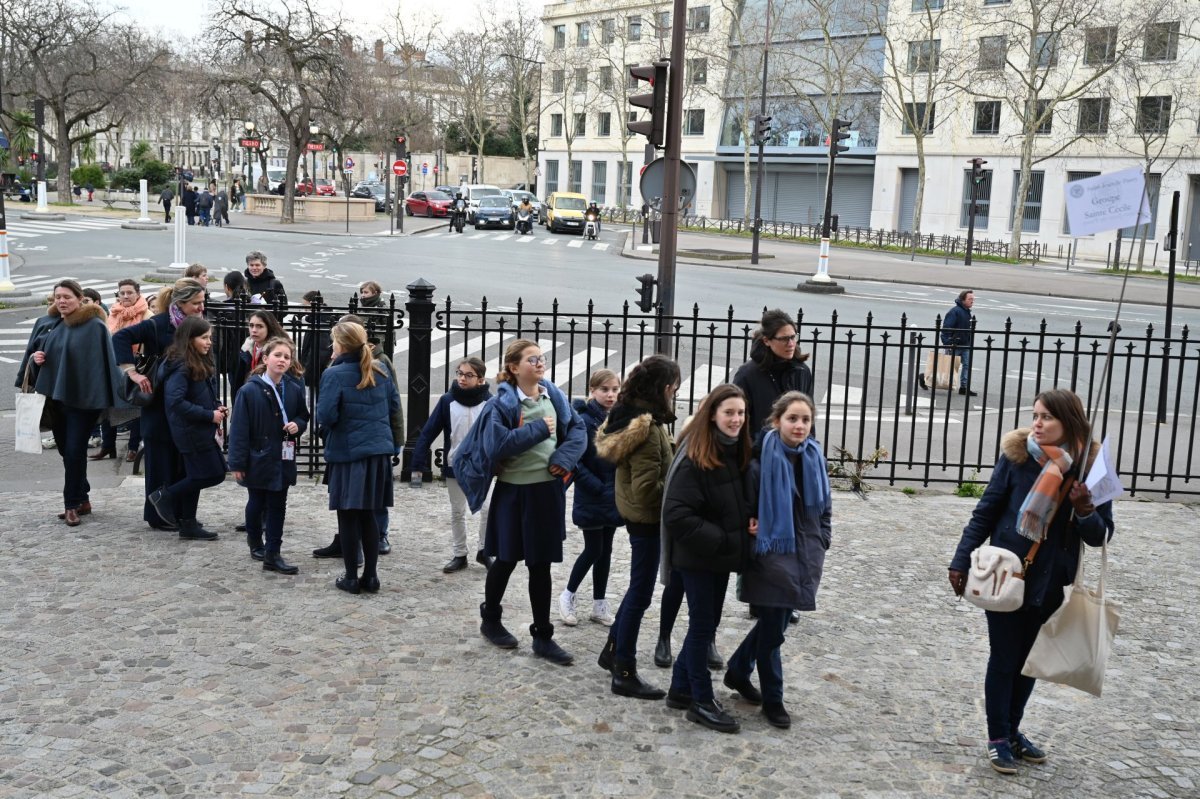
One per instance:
(971, 223)
(668, 244)
(762, 143)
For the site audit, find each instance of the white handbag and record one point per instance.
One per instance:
(1073, 645)
(996, 579)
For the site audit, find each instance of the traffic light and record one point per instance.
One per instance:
(33, 157)
(655, 102)
(401, 147)
(646, 292)
(841, 132)
(762, 128)
(977, 170)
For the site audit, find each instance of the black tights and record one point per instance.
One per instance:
(539, 589)
(355, 527)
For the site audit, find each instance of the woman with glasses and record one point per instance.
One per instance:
(776, 366)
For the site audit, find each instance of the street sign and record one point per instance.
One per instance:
(315, 146)
(1107, 202)
(399, 168)
(425, 168)
(250, 144)
(653, 175)
(349, 164)
(435, 170)
(3, 141)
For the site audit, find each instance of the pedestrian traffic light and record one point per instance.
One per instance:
(655, 101)
(977, 170)
(646, 292)
(841, 132)
(762, 128)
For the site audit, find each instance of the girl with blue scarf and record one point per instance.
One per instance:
(793, 533)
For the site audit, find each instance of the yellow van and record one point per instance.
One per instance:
(564, 211)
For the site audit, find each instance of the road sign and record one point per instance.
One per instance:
(3, 141)
(435, 170)
(399, 168)
(349, 164)
(315, 146)
(250, 144)
(425, 168)
(654, 174)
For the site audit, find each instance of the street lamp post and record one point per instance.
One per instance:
(314, 130)
(249, 125)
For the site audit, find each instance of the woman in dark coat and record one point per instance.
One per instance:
(776, 366)
(268, 417)
(194, 416)
(705, 537)
(793, 530)
(1035, 497)
(155, 335)
(70, 361)
(261, 281)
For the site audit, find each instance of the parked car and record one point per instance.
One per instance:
(564, 211)
(472, 192)
(325, 188)
(372, 191)
(495, 210)
(304, 187)
(427, 203)
(450, 190)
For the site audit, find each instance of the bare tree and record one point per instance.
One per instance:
(520, 43)
(473, 57)
(412, 91)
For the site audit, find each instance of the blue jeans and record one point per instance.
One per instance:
(269, 507)
(761, 646)
(690, 675)
(964, 378)
(643, 568)
(72, 428)
(1005, 689)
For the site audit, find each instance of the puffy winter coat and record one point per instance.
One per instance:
(190, 405)
(595, 478)
(256, 432)
(641, 449)
(706, 515)
(765, 378)
(356, 423)
(449, 418)
(956, 327)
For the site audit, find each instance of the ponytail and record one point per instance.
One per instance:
(366, 364)
(352, 337)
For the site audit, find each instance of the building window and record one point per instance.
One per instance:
(580, 127)
(1153, 114)
(993, 52)
(923, 56)
(697, 19)
(1031, 209)
(1072, 177)
(606, 82)
(604, 124)
(1100, 45)
(927, 5)
(693, 122)
(635, 29)
(557, 80)
(575, 177)
(599, 181)
(581, 79)
(919, 113)
(996, 2)
(983, 200)
(697, 71)
(662, 24)
(987, 117)
(625, 184)
(608, 31)
(583, 34)
(630, 81)
(632, 116)
(551, 177)
(1093, 116)
(1162, 42)
(556, 124)
(1045, 49)
(560, 37)
(1153, 190)
(1044, 127)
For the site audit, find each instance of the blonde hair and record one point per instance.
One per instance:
(184, 290)
(351, 337)
(195, 270)
(600, 377)
(512, 360)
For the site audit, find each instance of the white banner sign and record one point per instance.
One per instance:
(1107, 202)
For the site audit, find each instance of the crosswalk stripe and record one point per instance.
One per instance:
(575, 243)
(524, 239)
(600, 247)
(547, 241)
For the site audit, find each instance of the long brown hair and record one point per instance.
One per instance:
(199, 367)
(512, 360)
(647, 384)
(273, 344)
(700, 437)
(274, 329)
(1065, 406)
(351, 338)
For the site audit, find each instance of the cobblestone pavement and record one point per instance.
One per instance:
(134, 664)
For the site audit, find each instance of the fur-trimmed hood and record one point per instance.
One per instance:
(1012, 445)
(617, 445)
(85, 313)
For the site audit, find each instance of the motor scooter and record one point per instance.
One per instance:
(524, 223)
(458, 218)
(591, 226)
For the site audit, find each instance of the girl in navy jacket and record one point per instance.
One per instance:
(269, 415)
(194, 416)
(595, 508)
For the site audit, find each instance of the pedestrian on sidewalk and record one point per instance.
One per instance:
(194, 416)
(635, 439)
(531, 439)
(452, 417)
(129, 309)
(70, 361)
(189, 203)
(166, 198)
(269, 414)
(793, 531)
(594, 510)
(354, 408)
(957, 332)
(204, 205)
(221, 206)
(1035, 506)
(91, 190)
(237, 195)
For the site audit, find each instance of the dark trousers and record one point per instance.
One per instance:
(496, 584)
(72, 428)
(162, 465)
(597, 556)
(166, 204)
(761, 647)
(357, 528)
(108, 435)
(690, 675)
(1005, 689)
(672, 600)
(265, 511)
(643, 569)
(201, 470)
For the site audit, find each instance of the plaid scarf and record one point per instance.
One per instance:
(1048, 490)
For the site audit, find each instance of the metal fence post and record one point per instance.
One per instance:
(420, 309)
(910, 391)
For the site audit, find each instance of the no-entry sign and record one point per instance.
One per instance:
(399, 168)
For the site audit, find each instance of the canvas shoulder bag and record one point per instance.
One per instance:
(996, 579)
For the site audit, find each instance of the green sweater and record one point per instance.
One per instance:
(532, 465)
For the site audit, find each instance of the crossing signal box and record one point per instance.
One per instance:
(841, 132)
(762, 128)
(655, 101)
(646, 292)
(977, 170)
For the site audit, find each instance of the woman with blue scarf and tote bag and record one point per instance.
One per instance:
(793, 533)
(1034, 508)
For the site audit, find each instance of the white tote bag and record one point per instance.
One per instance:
(1073, 645)
(29, 422)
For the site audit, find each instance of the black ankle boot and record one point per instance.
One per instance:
(544, 646)
(662, 652)
(493, 630)
(626, 682)
(334, 550)
(607, 654)
(255, 542)
(274, 562)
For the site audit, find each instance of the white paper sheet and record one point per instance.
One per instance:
(1103, 480)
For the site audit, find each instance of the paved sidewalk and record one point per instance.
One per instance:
(133, 664)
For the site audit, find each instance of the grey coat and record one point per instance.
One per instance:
(80, 369)
(789, 580)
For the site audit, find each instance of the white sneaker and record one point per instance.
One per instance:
(566, 609)
(600, 612)
(94, 442)
(48, 443)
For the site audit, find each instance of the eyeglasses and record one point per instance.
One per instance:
(536, 360)
(784, 339)
(461, 373)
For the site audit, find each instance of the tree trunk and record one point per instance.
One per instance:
(480, 175)
(289, 189)
(62, 144)
(919, 200)
(1018, 211)
(747, 188)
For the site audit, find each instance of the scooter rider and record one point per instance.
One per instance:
(526, 208)
(593, 212)
(459, 206)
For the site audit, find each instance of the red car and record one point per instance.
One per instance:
(304, 187)
(428, 203)
(325, 188)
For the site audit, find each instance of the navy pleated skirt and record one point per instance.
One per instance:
(360, 485)
(527, 522)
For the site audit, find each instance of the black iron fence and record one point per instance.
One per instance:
(875, 421)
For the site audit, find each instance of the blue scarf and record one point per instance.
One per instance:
(777, 491)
